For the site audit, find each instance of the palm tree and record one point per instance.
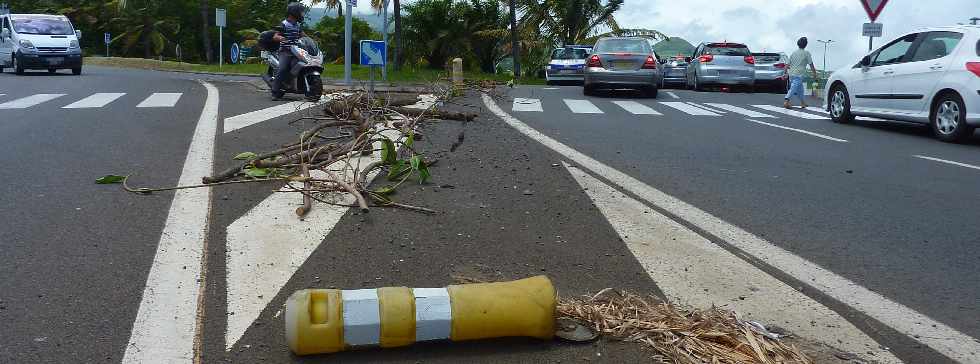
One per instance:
(206, 31)
(339, 4)
(140, 27)
(398, 34)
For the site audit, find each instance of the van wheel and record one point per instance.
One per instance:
(76, 71)
(18, 69)
(949, 119)
(52, 70)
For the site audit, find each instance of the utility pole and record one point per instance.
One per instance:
(384, 38)
(825, 44)
(514, 45)
(347, 40)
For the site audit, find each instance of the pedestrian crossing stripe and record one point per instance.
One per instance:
(636, 108)
(692, 110)
(582, 106)
(705, 107)
(740, 111)
(161, 99)
(782, 110)
(93, 101)
(26, 102)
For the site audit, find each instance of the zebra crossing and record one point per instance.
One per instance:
(93, 101)
(659, 108)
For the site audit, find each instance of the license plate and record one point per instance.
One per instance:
(726, 72)
(55, 60)
(676, 72)
(567, 71)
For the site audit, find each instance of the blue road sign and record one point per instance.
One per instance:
(235, 52)
(353, 3)
(373, 53)
(108, 38)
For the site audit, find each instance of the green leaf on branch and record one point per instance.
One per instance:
(257, 172)
(246, 156)
(410, 141)
(398, 169)
(385, 191)
(388, 152)
(419, 166)
(109, 179)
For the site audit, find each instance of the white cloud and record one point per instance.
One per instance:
(774, 25)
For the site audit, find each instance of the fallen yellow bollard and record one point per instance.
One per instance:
(322, 321)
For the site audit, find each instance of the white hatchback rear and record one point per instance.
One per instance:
(927, 76)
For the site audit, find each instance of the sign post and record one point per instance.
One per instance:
(220, 20)
(384, 38)
(348, 38)
(872, 29)
(374, 54)
(108, 39)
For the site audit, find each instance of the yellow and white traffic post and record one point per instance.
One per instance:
(320, 321)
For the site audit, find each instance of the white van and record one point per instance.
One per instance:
(40, 42)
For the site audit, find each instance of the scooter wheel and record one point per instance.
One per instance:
(278, 94)
(316, 89)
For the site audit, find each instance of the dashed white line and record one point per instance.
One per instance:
(582, 106)
(165, 325)
(934, 334)
(95, 101)
(818, 135)
(672, 95)
(692, 110)
(934, 159)
(161, 99)
(525, 104)
(636, 108)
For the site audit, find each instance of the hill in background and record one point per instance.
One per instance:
(673, 46)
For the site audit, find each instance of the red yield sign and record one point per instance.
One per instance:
(873, 8)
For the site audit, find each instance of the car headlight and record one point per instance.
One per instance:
(24, 43)
(73, 44)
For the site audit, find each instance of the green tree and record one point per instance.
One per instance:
(331, 36)
(144, 25)
(435, 30)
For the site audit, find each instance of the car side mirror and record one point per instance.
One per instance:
(866, 61)
(78, 34)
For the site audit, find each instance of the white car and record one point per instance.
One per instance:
(928, 76)
(39, 41)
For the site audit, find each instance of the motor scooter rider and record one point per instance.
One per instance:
(292, 32)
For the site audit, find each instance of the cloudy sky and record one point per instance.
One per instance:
(774, 25)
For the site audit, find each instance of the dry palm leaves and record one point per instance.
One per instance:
(699, 336)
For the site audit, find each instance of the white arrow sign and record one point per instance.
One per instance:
(269, 243)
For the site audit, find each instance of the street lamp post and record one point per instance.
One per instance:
(825, 44)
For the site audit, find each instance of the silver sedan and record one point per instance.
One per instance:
(622, 62)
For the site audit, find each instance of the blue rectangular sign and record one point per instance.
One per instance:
(373, 53)
(108, 39)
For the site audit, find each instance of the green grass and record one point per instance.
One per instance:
(331, 71)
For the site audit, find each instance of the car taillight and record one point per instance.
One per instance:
(749, 59)
(781, 66)
(594, 61)
(650, 63)
(706, 58)
(973, 67)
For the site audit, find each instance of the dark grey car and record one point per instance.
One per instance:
(725, 63)
(622, 62)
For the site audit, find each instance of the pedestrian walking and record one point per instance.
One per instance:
(798, 62)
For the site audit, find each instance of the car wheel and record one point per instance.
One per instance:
(840, 105)
(697, 85)
(949, 119)
(18, 69)
(76, 71)
(588, 90)
(52, 70)
(651, 92)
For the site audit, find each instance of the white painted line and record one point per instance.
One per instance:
(523, 104)
(799, 114)
(362, 317)
(739, 110)
(269, 243)
(161, 99)
(95, 101)
(29, 101)
(165, 325)
(799, 131)
(817, 110)
(706, 108)
(671, 94)
(582, 106)
(947, 162)
(636, 108)
(694, 272)
(433, 314)
(691, 110)
(936, 335)
(251, 118)
(552, 88)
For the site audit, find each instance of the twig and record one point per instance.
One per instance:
(144, 190)
(307, 202)
(351, 190)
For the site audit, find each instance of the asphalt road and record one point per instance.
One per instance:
(75, 257)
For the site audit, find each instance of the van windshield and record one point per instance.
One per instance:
(45, 25)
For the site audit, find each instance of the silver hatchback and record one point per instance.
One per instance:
(622, 62)
(725, 63)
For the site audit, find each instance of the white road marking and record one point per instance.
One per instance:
(705, 107)
(817, 110)
(691, 110)
(523, 104)
(165, 325)
(29, 101)
(799, 131)
(251, 118)
(740, 110)
(692, 271)
(947, 162)
(552, 88)
(799, 114)
(671, 94)
(934, 334)
(161, 99)
(95, 101)
(636, 108)
(269, 243)
(582, 106)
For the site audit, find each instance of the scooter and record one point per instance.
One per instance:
(306, 67)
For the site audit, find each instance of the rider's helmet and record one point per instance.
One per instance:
(296, 10)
